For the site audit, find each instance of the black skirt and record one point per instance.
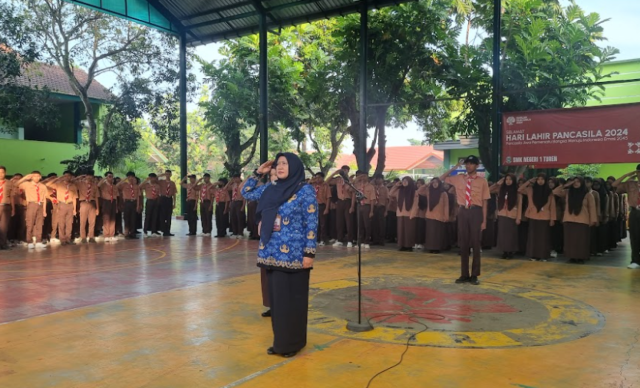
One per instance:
(436, 236)
(577, 240)
(539, 244)
(507, 235)
(289, 299)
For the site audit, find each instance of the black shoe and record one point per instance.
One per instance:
(191, 234)
(92, 240)
(270, 351)
(266, 314)
(474, 280)
(168, 235)
(462, 280)
(289, 355)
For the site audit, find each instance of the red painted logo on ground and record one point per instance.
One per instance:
(405, 304)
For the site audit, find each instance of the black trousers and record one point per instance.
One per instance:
(166, 210)
(289, 300)
(130, 217)
(222, 220)
(470, 236)
(238, 217)
(392, 226)
(634, 235)
(206, 213)
(151, 216)
(192, 216)
(322, 223)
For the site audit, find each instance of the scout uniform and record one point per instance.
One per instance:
(35, 195)
(207, 194)
(88, 198)
(222, 217)
(6, 207)
(152, 206)
(67, 194)
(108, 204)
(131, 197)
(192, 202)
(168, 191)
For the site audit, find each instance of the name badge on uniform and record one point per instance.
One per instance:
(277, 224)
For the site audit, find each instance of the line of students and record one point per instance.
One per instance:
(34, 211)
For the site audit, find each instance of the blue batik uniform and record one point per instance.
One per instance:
(298, 228)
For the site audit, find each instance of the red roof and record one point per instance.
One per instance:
(40, 75)
(402, 158)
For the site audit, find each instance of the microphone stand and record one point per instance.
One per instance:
(359, 326)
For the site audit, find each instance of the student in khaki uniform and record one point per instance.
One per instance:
(132, 204)
(509, 214)
(67, 197)
(366, 207)
(323, 196)
(630, 184)
(542, 216)
(379, 225)
(452, 222)
(168, 193)
(18, 228)
(437, 215)
(50, 228)
(7, 209)
(192, 203)
(151, 190)
(579, 215)
(88, 198)
(109, 194)
(472, 196)
(222, 208)
(344, 218)
(206, 196)
(237, 206)
(36, 195)
(406, 197)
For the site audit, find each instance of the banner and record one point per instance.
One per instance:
(558, 137)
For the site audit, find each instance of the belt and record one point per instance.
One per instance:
(166, 196)
(470, 207)
(131, 200)
(84, 200)
(65, 203)
(38, 203)
(151, 199)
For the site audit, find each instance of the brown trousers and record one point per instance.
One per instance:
(470, 236)
(65, 221)
(87, 215)
(35, 221)
(151, 215)
(322, 223)
(206, 215)
(18, 228)
(108, 212)
(5, 220)
(238, 218)
(365, 224)
(344, 218)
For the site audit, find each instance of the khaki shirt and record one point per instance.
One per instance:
(130, 191)
(87, 189)
(369, 191)
(323, 193)
(440, 212)
(34, 192)
(479, 189)
(222, 195)
(109, 192)
(382, 195)
(207, 191)
(192, 191)
(548, 211)
(167, 188)
(6, 186)
(66, 192)
(151, 190)
(588, 215)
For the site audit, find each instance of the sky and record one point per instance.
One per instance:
(622, 32)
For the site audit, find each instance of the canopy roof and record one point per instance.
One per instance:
(206, 21)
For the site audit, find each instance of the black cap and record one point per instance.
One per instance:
(472, 159)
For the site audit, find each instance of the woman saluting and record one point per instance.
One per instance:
(288, 222)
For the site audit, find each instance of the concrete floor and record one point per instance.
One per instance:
(185, 312)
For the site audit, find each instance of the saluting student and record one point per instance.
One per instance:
(207, 194)
(472, 195)
(323, 196)
(222, 208)
(237, 206)
(405, 193)
(132, 204)
(437, 215)
(344, 218)
(509, 214)
(579, 215)
(379, 228)
(192, 203)
(88, 197)
(67, 194)
(108, 205)
(392, 218)
(452, 222)
(542, 216)
(18, 228)
(7, 209)
(366, 207)
(630, 184)
(35, 194)
(168, 192)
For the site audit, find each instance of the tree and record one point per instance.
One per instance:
(545, 48)
(415, 142)
(18, 53)
(410, 46)
(583, 170)
(143, 60)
